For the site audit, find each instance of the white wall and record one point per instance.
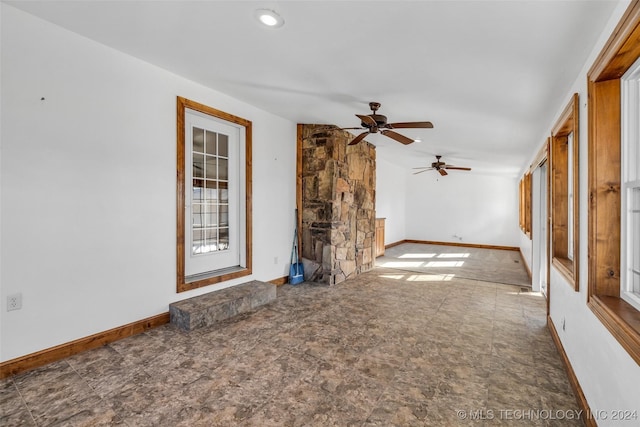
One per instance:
(2, 296)
(526, 248)
(88, 185)
(462, 207)
(391, 188)
(608, 376)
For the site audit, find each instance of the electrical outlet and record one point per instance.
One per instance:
(14, 302)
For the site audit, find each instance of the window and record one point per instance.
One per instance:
(630, 176)
(605, 84)
(213, 196)
(564, 186)
(525, 204)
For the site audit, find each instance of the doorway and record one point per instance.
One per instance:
(540, 264)
(213, 196)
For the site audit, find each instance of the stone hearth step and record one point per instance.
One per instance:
(207, 309)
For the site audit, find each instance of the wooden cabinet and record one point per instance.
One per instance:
(379, 237)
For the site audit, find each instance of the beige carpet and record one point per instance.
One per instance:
(490, 265)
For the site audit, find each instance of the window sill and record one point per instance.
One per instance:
(621, 319)
(565, 268)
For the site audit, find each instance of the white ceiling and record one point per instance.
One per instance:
(490, 75)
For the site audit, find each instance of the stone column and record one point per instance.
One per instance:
(338, 204)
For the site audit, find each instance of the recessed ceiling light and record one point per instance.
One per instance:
(417, 140)
(269, 18)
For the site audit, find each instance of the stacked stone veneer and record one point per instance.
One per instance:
(338, 204)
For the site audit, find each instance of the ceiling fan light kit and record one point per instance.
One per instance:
(374, 123)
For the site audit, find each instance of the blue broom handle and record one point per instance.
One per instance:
(294, 252)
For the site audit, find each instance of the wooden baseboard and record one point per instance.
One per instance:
(43, 357)
(49, 355)
(280, 281)
(390, 245)
(465, 245)
(589, 421)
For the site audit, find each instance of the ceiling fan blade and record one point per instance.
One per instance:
(407, 125)
(457, 168)
(394, 135)
(426, 170)
(443, 172)
(367, 120)
(359, 138)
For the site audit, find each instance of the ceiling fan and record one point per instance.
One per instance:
(440, 167)
(374, 123)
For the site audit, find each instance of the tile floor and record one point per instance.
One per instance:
(388, 348)
(490, 265)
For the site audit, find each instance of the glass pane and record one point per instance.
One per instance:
(224, 215)
(211, 169)
(224, 192)
(223, 239)
(197, 194)
(198, 140)
(209, 202)
(211, 143)
(212, 239)
(211, 192)
(223, 145)
(197, 215)
(198, 242)
(198, 165)
(223, 169)
(211, 217)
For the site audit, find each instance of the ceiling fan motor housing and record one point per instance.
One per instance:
(380, 120)
(374, 123)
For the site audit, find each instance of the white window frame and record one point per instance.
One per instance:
(232, 257)
(630, 180)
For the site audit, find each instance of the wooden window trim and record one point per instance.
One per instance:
(525, 204)
(182, 285)
(521, 204)
(603, 298)
(567, 123)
